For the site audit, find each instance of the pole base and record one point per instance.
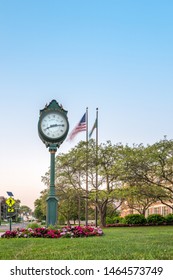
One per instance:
(52, 210)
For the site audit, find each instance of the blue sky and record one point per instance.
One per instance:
(115, 55)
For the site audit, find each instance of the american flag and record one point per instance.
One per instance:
(81, 126)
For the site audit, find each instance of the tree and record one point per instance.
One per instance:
(109, 171)
(39, 213)
(71, 206)
(71, 177)
(150, 170)
(69, 183)
(137, 198)
(25, 211)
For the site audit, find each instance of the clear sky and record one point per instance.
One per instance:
(116, 55)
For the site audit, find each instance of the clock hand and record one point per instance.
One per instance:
(54, 125)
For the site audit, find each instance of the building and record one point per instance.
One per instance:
(2, 208)
(155, 208)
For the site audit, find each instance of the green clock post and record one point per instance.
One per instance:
(53, 128)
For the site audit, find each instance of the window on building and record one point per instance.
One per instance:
(156, 210)
(164, 210)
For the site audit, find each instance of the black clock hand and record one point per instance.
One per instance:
(54, 125)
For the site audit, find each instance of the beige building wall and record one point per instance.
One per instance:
(155, 208)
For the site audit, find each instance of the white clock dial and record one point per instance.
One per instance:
(54, 125)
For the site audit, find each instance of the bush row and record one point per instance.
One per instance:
(137, 219)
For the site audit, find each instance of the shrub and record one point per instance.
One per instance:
(53, 227)
(118, 220)
(135, 219)
(155, 219)
(114, 220)
(33, 225)
(61, 220)
(109, 220)
(169, 219)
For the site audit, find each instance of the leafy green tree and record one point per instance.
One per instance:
(40, 206)
(150, 170)
(71, 206)
(109, 184)
(70, 177)
(137, 198)
(25, 209)
(71, 173)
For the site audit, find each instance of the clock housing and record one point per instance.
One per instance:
(53, 125)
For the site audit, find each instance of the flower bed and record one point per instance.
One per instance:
(66, 232)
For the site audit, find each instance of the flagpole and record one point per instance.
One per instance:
(96, 209)
(86, 200)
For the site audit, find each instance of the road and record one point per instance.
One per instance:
(6, 227)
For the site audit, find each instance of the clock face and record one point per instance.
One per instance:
(53, 125)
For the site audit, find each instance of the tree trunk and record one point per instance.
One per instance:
(102, 219)
(102, 213)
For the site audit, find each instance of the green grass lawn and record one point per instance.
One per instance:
(126, 243)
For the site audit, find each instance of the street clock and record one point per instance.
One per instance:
(53, 127)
